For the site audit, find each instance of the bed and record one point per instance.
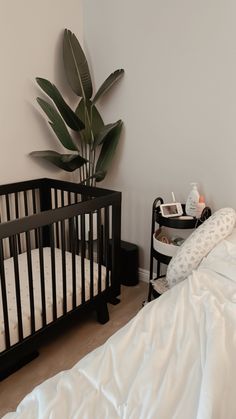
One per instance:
(59, 256)
(174, 360)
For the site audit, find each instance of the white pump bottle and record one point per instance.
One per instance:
(191, 207)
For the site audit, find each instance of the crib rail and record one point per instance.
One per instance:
(40, 220)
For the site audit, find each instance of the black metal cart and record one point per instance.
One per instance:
(160, 258)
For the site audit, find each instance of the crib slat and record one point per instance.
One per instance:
(106, 244)
(17, 286)
(115, 252)
(55, 198)
(42, 276)
(77, 235)
(8, 219)
(63, 259)
(35, 212)
(56, 224)
(91, 254)
(8, 207)
(4, 297)
(16, 205)
(53, 271)
(99, 250)
(62, 198)
(17, 216)
(30, 281)
(26, 204)
(77, 227)
(82, 247)
(34, 201)
(72, 232)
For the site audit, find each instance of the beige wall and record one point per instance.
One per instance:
(31, 37)
(177, 100)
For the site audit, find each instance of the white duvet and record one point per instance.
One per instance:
(175, 359)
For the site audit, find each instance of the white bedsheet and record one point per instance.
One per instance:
(23, 275)
(175, 360)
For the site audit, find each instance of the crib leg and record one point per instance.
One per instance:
(114, 301)
(4, 373)
(102, 313)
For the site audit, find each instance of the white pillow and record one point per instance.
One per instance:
(221, 259)
(199, 244)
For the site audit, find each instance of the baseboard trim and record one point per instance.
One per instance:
(143, 275)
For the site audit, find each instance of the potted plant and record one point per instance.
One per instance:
(90, 142)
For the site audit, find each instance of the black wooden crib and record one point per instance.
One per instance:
(59, 255)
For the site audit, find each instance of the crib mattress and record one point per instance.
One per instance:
(24, 289)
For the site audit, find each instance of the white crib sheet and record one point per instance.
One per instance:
(23, 274)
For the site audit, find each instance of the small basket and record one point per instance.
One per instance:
(167, 249)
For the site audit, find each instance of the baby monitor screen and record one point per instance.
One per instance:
(169, 210)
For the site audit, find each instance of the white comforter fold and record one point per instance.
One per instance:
(175, 360)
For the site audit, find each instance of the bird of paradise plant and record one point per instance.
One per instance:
(92, 144)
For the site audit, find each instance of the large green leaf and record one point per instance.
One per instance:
(66, 112)
(94, 176)
(108, 83)
(76, 66)
(95, 120)
(104, 132)
(68, 162)
(57, 124)
(107, 151)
